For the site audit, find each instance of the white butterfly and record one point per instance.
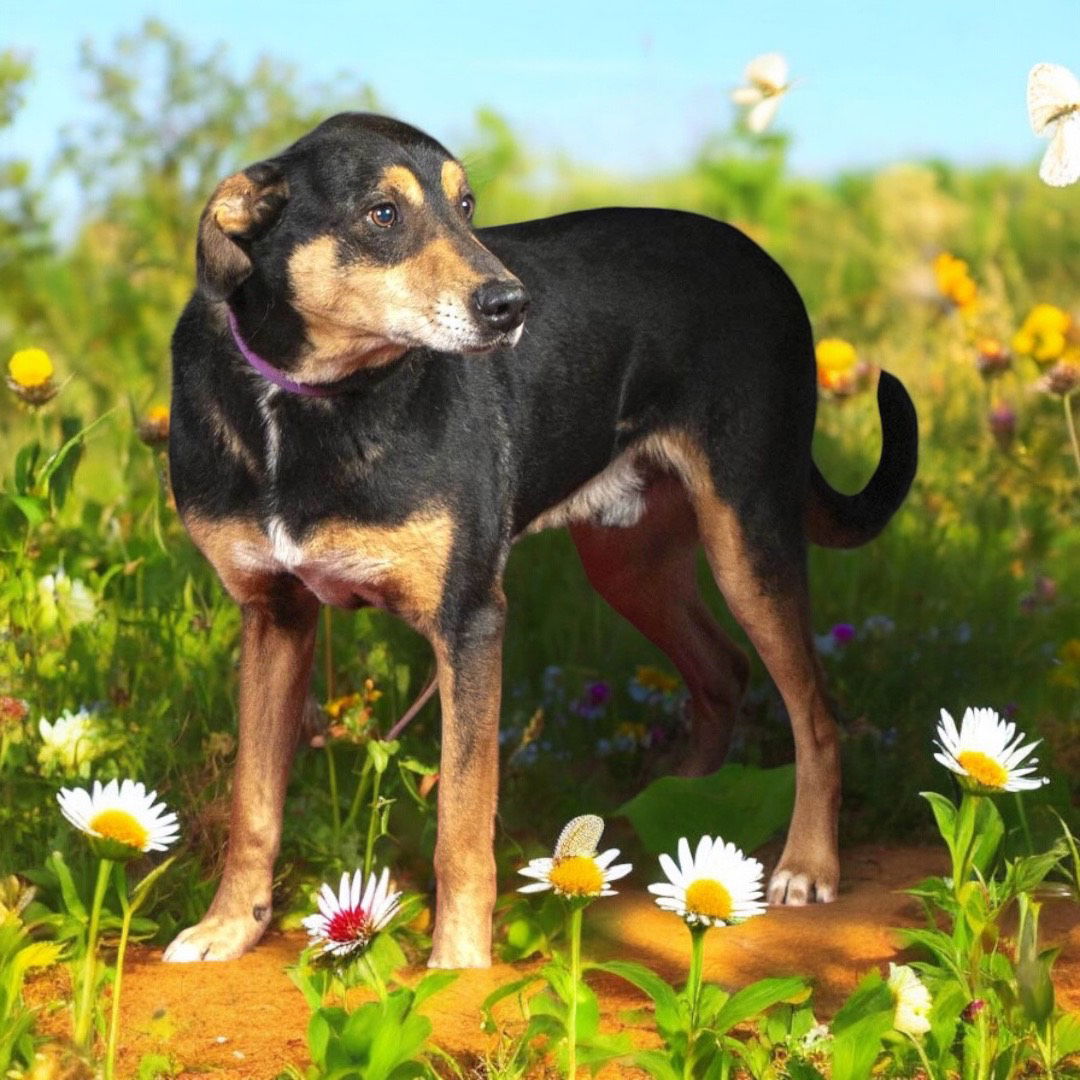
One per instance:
(767, 79)
(1053, 94)
(580, 837)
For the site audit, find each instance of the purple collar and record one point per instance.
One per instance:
(277, 377)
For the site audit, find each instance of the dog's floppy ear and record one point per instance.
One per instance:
(242, 206)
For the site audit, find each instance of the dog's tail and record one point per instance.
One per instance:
(843, 521)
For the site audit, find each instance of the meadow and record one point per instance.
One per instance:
(118, 647)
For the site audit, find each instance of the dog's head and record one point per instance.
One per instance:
(361, 233)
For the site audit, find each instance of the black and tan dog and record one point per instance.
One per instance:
(372, 401)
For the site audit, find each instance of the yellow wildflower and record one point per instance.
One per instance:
(1043, 333)
(652, 678)
(954, 282)
(30, 368)
(991, 357)
(335, 708)
(838, 368)
(154, 426)
(30, 373)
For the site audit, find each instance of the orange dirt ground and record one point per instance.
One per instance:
(245, 1019)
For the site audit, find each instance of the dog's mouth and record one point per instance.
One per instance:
(505, 340)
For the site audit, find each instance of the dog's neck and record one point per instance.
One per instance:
(276, 375)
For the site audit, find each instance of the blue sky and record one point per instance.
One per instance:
(626, 86)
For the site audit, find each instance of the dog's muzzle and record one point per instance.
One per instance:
(500, 305)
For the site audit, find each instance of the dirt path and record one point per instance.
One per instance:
(245, 1019)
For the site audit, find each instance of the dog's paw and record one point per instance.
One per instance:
(215, 938)
(792, 886)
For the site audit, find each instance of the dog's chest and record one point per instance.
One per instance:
(401, 567)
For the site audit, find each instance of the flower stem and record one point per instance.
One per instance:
(328, 650)
(1024, 826)
(575, 979)
(335, 808)
(984, 1048)
(369, 847)
(693, 979)
(1071, 425)
(377, 984)
(84, 1009)
(114, 1020)
(969, 804)
(922, 1056)
(358, 795)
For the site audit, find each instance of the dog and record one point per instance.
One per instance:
(372, 400)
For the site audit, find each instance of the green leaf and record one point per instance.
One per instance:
(142, 890)
(396, 1038)
(502, 992)
(56, 460)
(72, 903)
(665, 1000)
(1029, 871)
(1033, 968)
(945, 815)
(859, 1027)
(1066, 1035)
(360, 1029)
(798, 1069)
(754, 999)
(380, 753)
(744, 803)
(25, 464)
(657, 1064)
(318, 1036)
(31, 507)
(431, 984)
(989, 832)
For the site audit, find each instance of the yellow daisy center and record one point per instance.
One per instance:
(983, 768)
(708, 897)
(30, 368)
(577, 875)
(119, 825)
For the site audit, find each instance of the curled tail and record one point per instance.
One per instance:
(843, 521)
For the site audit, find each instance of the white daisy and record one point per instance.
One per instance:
(347, 922)
(70, 742)
(61, 598)
(714, 886)
(986, 752)
(912, 1001)
(575, 870)
(123, 815)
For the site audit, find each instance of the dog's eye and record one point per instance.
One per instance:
(384, 215)
(468, 205)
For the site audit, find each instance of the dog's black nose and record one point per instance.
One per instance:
(501, 304)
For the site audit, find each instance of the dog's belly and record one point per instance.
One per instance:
(617, 496)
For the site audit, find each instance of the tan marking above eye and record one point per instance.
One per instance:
(403, 181)
(454, 181)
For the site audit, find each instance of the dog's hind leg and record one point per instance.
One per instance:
(469, 654)
(646, 572)
(275, 668)
(765, 586)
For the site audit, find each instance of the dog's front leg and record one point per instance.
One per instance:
(470, 677)
(275, 669)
